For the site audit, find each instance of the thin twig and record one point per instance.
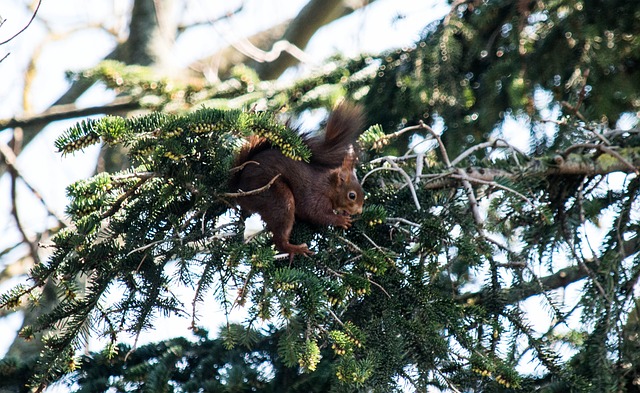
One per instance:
(574, 110)
(358, 249)
(139, 175)
(351, 244)
(17, 145)
(393, 158)
(409, 182)
(35, 12)
(480, 146)
(241, 193)
(443, 150)
(494, 184)
(245, 47)
(404, 221)
(601, 137)
(371, 172)
(334, 316)
(240, 299)
(379, 287)
(146, 246)
(227, 15)
(473, 203)
(377, 247)
(241, 167)
(10, 160)
(400, 132)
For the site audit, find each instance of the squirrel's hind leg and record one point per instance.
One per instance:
(279, 216)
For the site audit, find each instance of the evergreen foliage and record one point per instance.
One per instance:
(427, 289)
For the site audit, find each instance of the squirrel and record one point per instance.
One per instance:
(325, 191)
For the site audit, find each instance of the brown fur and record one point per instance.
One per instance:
(312, 192)
(342, 130)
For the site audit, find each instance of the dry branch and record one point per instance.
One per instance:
(69, 111)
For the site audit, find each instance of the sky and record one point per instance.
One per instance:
(78, 42)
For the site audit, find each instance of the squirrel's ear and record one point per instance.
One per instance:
(346, 170)
(349, 161)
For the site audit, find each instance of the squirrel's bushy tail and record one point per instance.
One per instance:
(339, 139)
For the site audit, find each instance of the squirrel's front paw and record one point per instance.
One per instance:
(343, 221)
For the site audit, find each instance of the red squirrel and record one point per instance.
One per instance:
(324, 191)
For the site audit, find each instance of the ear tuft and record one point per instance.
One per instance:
(349, 161)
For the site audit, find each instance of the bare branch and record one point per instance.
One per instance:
(443, 150)
(241, 167)
(480, 146)
(604, 149)
(33, 245)
(409, 183)
(294, 33)
(69, 111)
(10, 160)
(560, 279)
(496, 185)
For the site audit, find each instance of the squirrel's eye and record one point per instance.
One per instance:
(352, 195)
